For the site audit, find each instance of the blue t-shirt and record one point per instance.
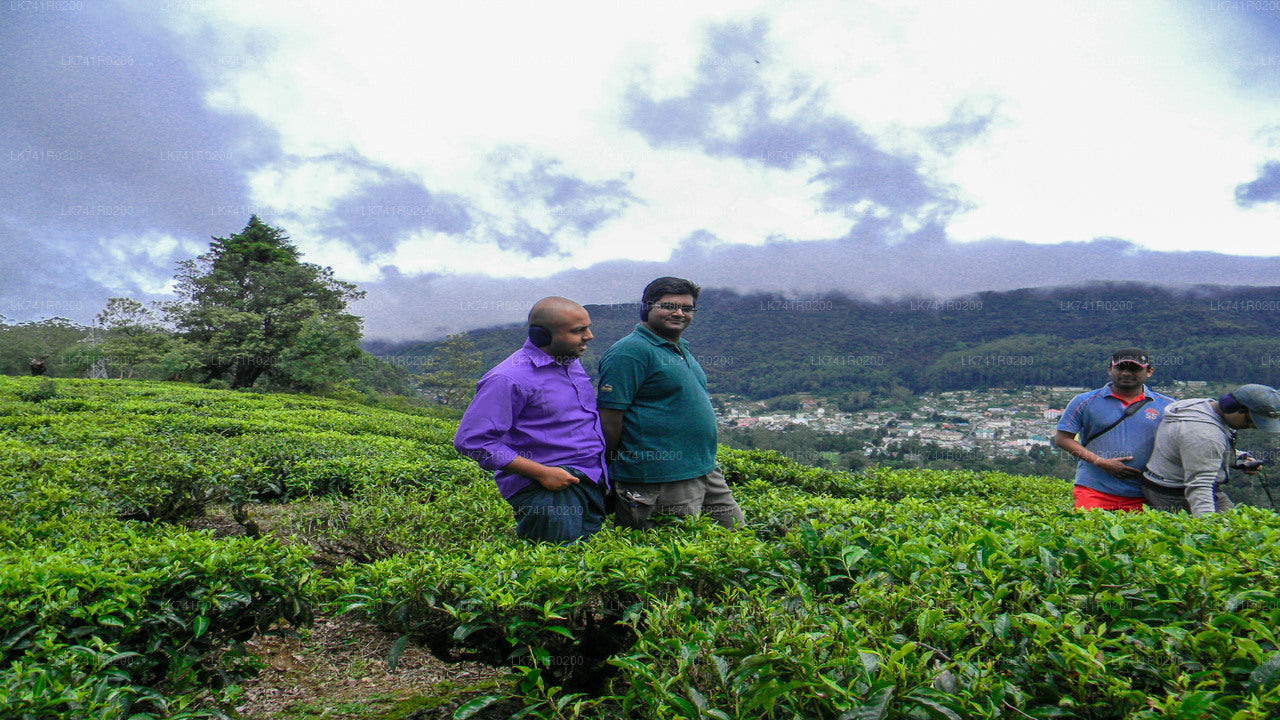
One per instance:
(1092, 411)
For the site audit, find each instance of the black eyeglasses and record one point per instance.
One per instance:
(672, 307)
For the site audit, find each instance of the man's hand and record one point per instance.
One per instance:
(555, 478)
(1115, 467)
(550, 477)
(1246, 463)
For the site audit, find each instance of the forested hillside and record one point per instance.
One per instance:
(764, 346)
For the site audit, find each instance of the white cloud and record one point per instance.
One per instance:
(330, 252)
(129, 264)
(426, 253)
(305, 187)
(1112, 120)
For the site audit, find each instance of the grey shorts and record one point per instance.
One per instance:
(1159, 497)
(639, 503)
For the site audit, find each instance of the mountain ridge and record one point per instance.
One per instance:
(766, 344)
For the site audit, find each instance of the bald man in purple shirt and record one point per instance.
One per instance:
(534, 424)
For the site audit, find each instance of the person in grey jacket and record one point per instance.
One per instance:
(1195, 447)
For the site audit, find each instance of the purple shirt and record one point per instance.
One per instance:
(531, 406)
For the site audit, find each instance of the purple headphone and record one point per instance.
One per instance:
(1229, 404)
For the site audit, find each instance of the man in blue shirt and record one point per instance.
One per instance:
(1111, 430)
(659, 425)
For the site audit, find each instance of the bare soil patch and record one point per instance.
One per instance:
(338, 669)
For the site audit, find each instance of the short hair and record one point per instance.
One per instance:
(662, 287)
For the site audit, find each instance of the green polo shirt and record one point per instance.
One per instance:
(669, 426)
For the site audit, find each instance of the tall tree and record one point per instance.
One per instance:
(458, 362)
(254, 307)
(134, 338)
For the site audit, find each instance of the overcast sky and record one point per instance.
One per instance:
(460, 160)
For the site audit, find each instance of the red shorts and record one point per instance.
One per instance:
(1090, 499)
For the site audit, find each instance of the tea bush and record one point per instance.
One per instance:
(91, 626)
(554, 607)
(776, 469)
(879, 594)
(166, 452)
(876, 609)
(378, 522)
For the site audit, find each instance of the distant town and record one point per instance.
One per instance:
(963, 426)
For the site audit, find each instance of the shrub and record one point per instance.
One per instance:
(46, 389)
(886, 593)
(561, 609)
(123, 609)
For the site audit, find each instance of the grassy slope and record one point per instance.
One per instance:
(911, 594)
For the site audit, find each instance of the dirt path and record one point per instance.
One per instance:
(338, 669)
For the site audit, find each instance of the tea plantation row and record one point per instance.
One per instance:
(880, 595)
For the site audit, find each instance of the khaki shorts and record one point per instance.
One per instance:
(639, 503)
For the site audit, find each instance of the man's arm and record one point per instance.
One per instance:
(1114, 467)
(611, 424)
(621, 376)
(482, 432)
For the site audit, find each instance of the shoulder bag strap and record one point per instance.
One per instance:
(1132, 408)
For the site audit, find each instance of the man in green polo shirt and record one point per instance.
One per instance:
(659, 426)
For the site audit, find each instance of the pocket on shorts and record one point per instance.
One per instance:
(634, 497)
